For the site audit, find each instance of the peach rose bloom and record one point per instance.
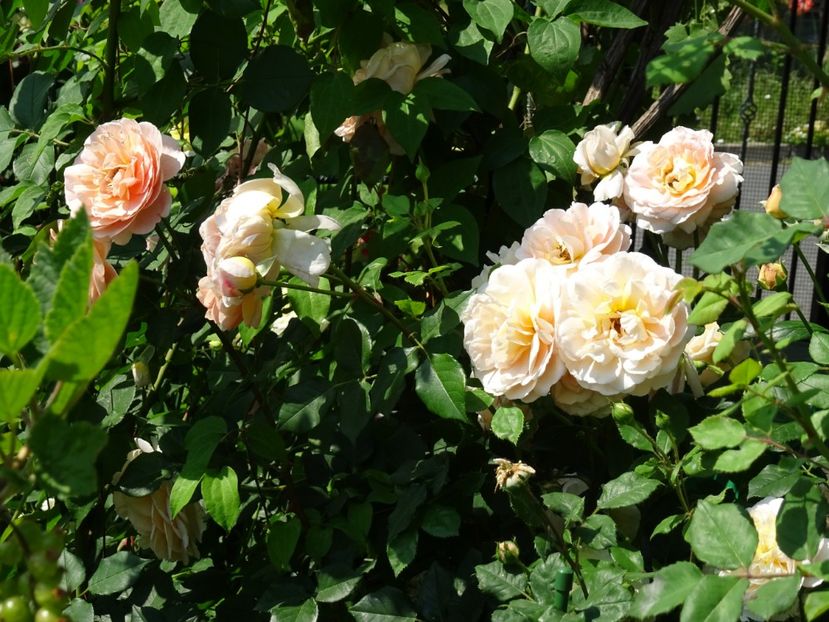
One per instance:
(509, 330)
(680, 182)
(604, 154)
(119, 176)
(400, 65)
(169, 538)
(578, 235)
(620, 330)
(575, 400)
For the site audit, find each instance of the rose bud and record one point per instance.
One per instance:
(772, 204)
(238, 275)
(773, 276)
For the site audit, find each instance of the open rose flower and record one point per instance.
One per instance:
(604, 153)
(580, 234)
(257, 231)
(681, 183)
(169, 538)
(119, 176)
(401, 66)
(509, 330)
(620, 329)
(769, 561)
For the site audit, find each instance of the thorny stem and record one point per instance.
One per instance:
(305, 288)
(50, 48)
(818, 288)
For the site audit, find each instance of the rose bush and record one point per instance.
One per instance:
(390, 296)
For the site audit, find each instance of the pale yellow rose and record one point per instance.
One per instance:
(119, 176)
(169, 538)
(509, 330)
(604, 153)
(681, 182)
(505, 256)
(575, 400)
(620, 329)
(578, 235)
(700, 348)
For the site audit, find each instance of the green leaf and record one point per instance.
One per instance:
(66, 455)
(17, 387)
(805, 189)
(554, 44)
(749, 237)
(715, 599)
(352, 348)
(420, 25)
(553, 152)
(774, 597)
(773, 305)
(308, 611)
(521, 189)
(816, 604)
(444, 95)
(801, 521)
(740, 459)
(773, 481)
(71, 293)
(717, 432)
(276, 80)
(729, 340)
(570, 507)
(819, 348)
(80, 611)
(669, 589)
(494, 579)
(310, 305)
(304, 404)
(684, 60)
(87, 344)
(28, 103)
(331, 94)
(386, 605)
(491, 15)
(401, 550)
(747, 48)
(220, 490)
(116, 573)
(336, 582)
(36, 11)
(441, 383)
(722, 535)
(441, 521)
(407, 118)
(603, 13)
(282, 540)
(19, 312)
(745, 372)
(708, 309)
(628, 489)
(217, 45)
(49, 261)
(210, 114)
(201, 441)
(508, 423)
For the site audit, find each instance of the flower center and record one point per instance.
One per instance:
(560, 254)
(678, 176)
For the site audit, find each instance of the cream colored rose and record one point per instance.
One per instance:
(509, 330)
(262, 224)
(619, 329)
(119, 176)
(506, 255)
(769, 561)
(700, 348)
(580, 234)
(176, 538)
(575, 400)
(604, 153)
(680, 182)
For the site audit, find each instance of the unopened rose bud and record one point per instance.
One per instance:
(507, 552)
(773, 276)
(622, 413)
(772, 204)
(511, 474)
(238, 275)
(140, 374)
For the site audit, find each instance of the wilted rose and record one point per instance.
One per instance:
(604, 153)
(119, 176)
(680, 182)
(619, 330)
(509, 330)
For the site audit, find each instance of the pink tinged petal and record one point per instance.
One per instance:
(172, 157)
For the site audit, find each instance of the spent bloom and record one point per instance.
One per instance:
(511, 474)
(681, 183)
(401, 66)
(604, 154)
(254, 233)
(578, 235)
(118, 178)
(509, 330)
(170, 538)
(620, 329)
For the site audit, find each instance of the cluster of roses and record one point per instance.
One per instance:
(118, 178)
(569, 311)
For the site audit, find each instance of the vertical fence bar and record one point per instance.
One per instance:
(818, 313)
(748, 110)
